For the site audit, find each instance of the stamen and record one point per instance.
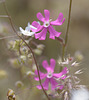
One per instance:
(49, 75)
(46, 24)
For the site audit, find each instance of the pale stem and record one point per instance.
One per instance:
(67, 31)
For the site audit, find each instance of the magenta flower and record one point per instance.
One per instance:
(47, 25)
(50, 76)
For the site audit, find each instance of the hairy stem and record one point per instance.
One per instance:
(67, 31)
(28, 47)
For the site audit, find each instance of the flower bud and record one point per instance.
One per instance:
(10, 94)
(23, 58)
(24, 50)
(40, 46)
(34, 67)
(29, 73)
(19, 84)
(30, 55)
(38, 52)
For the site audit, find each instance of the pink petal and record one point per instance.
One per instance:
(42, 75)
(53, 32)
(54, 84)
(45, 64)
(58, 75)
(49, 67)
(47, 14)
(60, 20)
(52, 64)
(41, 35)
(40, 17)
(36, 73)
(45, 84)
(37, 25)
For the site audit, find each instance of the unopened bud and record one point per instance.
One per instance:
(29, 73)
(30, 55)
(38, 52)
(10, 94)
(19, 84)
(24, 50)
(23, 58)
(34, 68)
(40, 46)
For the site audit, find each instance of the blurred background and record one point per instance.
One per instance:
(24, 11)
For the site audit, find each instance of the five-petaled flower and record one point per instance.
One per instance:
(27, 30)
(47, 25)
(50, 76)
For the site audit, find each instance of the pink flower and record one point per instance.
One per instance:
(50, 76)
(47, 25)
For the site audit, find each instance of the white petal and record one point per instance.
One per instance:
(21, 29)
(29, 24)
(28, 28)
(26, 32)
(32, 27)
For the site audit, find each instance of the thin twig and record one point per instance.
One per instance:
(67, 31)
(28, 47)
(6, 37)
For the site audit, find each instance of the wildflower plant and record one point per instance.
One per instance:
(27, 55)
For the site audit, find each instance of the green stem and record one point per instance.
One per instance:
(67, 31)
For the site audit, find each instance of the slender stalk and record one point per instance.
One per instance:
(67, 31)
(6, 37)
(29, 49)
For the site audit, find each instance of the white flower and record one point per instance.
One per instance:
(27, 30)
(80, 94)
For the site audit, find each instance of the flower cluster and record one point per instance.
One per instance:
(47, 26)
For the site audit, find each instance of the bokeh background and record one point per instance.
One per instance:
(24, 11)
